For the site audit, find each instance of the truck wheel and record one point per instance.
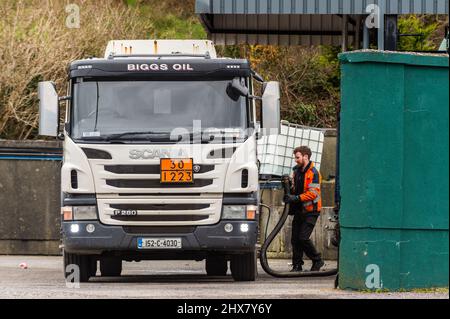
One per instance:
(244, 267)
(110, 267)
(216, 266)
(85, 264)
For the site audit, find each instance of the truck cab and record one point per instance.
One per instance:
(159, 157)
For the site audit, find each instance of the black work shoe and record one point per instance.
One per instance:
(317, 265)
(296, 268)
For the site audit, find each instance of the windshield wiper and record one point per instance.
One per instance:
(213, 136)
(204, 137)
(197, 137)
(118, 136)
(154, 135)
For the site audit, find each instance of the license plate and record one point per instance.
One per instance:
(159, 243)
(176, 170)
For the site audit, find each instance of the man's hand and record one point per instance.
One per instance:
(291, 199)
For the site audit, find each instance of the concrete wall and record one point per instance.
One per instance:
(29, 201)
(328, 168)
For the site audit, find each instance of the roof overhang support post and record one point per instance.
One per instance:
(366, 36)
(391, 32)
(357, 37)
(344, 33)
(381, 11)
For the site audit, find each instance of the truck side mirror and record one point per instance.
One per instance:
(271, 109)
(48, 109)
(235, 89)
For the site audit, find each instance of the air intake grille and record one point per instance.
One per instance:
(96, 154)
(244, 178)
(73, 179)
(161, 218)
(147, 169)
(154, 183)
(159, 206)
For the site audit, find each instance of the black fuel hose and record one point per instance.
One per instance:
(273, 234)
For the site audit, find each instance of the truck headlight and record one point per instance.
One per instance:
(239, 212)
(84, 212)
(234, 212)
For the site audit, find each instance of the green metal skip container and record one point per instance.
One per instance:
(394, 171)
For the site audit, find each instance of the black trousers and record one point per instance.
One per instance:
(302, 227)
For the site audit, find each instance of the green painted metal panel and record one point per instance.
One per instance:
(406, 259)
(394, 168)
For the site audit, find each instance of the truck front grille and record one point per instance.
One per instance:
(161, 218)
(154, 183)
(148, 169)
(159, 206)
(160, 210)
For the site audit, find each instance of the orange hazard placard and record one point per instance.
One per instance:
(176, 170)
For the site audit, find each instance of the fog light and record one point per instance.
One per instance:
(74, 228)
(228, 228)
(244, 228)
(90, 228)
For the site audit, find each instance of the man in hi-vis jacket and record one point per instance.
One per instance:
(305, 204)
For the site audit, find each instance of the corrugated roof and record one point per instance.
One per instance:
(280, 30)
(302, 22)
(319, 6)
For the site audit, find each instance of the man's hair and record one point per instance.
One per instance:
(304, 150)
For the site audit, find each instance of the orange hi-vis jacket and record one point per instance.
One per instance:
(311, 197)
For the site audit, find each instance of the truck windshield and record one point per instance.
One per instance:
(146, 109)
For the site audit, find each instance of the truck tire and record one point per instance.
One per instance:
(110, 267)
(86, 264)
(244, 267)
(216, 266)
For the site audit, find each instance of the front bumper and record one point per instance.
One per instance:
(208, 238)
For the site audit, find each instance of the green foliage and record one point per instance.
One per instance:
(413, 24)
(231, 51)
(309, 79)
(432, 290)
(131, 2)
(173, 27)
(329, 60)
